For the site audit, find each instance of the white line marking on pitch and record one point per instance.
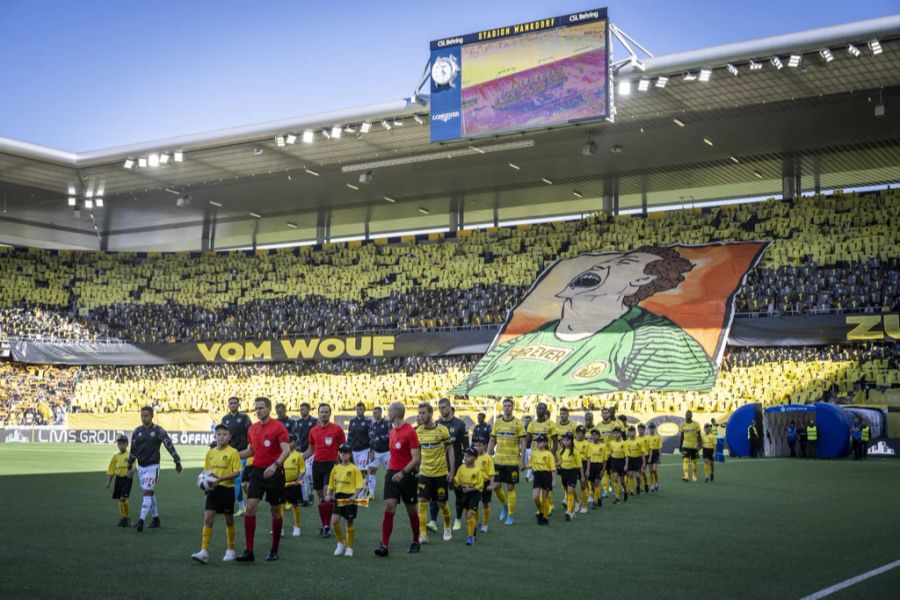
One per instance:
(852, 581)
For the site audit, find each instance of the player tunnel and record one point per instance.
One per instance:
(736, 429)
(833, 423)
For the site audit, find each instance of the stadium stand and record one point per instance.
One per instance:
(768, 375)
(831, 253)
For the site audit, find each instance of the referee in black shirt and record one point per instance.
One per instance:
(459, 441)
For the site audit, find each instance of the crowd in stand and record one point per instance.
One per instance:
(767, 375)
(830, 253)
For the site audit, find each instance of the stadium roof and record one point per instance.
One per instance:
(831, 121)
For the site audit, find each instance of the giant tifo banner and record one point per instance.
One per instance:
(654, 318)
(542, 73)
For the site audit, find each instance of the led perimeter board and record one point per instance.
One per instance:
(543, 73)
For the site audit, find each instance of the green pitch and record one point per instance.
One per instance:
(767, 528)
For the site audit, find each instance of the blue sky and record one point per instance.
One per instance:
(84, 75)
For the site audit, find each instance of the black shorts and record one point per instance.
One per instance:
(221, 500)
(468, 500)
(569, 477)
(122, 487)
(654, 457)
(486, 493)
(405, 491)
(543, 480)
(635, 463)
(348, 511)
(507, 474)
(617, 466)
(596, 472)
(321, 471)
(433, 488)
(708, 453)
(690, 453)
(293, 494)
(272, 488)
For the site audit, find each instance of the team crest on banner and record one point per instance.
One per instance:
(653, 318)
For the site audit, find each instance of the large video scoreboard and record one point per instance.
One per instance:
(542, 73)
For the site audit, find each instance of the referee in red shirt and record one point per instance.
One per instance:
(400, 480)
(269, 447)
(324, 440)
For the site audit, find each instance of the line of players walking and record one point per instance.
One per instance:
(283, 460)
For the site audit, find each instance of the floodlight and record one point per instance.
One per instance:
(755, 66)
(776, 62)
(365, 127)
(89, 204)
(291, 138)
(279, 141)
(853, 50)
(99, 202)
(164, 158)
(624, 88)
(129, 162)
(826, 54)
(661, 81)
(336, 132)
(178, 155)
(643, 85)
(72, 201)
(153, 160)
(142, 163)
(794, 60)
(705, 74)
(732, 69)
(308, 136)
(875, 47)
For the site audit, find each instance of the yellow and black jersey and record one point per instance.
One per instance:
(616, 448)
(433, 443)
(470, 476)
(486, 464)
(598, 453)
(118, 464)
(223, 462)
(655, 441)
(606, 429)
(294, 466)
(345, 479)
(645, 443)
(564, 428)
(583, 448)
(709, 441)
(568, 459)
(547, 427)
(634, 448)
(542, 460)
(507, 435)
(691, 433)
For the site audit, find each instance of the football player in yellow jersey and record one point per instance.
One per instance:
(570, 471)
(118, 471)
(709, 448)
(543, 467)
(690, 444)
(581, 492)
(345, 484)
(225, 464)
(645, 466)
(598, 455)
(486, 464)
(470, 479)
(606, 427)
(634, 450)
(507, 446)
(436, 470)
(618, 464)
(294, 472)
(655, 451)
(542, 424)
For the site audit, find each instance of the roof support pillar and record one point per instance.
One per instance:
(323, 227)
(457, 218)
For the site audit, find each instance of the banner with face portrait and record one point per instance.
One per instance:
(653, 318)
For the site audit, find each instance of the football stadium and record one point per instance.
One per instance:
(569, 318)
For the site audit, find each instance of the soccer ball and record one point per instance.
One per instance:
(205, 480)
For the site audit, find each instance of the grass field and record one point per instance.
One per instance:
(764, 529)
